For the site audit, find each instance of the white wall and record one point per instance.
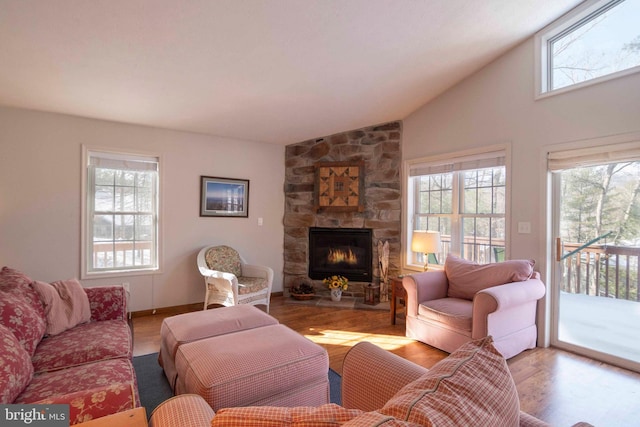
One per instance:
(40, 179)
(497, 105)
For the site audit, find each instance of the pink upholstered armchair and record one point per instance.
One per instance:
(465, 301)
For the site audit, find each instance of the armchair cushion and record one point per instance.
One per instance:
(452, 312)
(224, 258)
(466, 278)
(249, 285)
(473, 383)
(65, 304)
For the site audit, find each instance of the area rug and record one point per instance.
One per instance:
(154, 387)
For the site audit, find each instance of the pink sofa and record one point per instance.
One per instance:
(465, 301)
(78, 355)
(473, 386)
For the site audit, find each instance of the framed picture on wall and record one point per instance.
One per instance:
(224, 197)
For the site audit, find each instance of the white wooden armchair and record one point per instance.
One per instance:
(229, 280)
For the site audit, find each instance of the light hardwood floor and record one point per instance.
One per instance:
(559, 387)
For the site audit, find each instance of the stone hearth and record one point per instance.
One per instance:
(379, 147)
(323, 299)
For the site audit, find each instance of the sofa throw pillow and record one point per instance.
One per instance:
(302, 416)
(15, 366)
(471, 387)
(15, 281)
(466, 278)
(19, 316)
(65, 304)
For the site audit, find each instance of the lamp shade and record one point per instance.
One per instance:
(425, 242)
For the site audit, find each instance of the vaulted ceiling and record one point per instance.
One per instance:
(277, 71)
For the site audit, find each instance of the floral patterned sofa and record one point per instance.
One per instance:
(61, 343)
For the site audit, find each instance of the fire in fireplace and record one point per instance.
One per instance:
(343, 251)
(336, 256)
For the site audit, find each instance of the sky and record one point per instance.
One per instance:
(599, 48)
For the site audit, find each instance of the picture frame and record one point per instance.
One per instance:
(339, 186)
(224, 197)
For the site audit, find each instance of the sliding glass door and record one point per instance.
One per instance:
(597, 271)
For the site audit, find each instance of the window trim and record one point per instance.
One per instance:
(541, 49)
(84, 233)
(409, 199)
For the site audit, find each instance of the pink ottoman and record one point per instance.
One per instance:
(183, 328)
(271, 365)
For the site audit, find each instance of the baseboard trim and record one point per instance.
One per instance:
(176, 309)
(179, 309)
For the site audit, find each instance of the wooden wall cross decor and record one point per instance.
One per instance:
(339, 186)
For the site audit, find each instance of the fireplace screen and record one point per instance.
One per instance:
(343, 251)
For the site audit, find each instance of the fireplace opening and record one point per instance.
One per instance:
(340, 251)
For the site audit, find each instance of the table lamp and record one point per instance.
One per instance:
(425, 242)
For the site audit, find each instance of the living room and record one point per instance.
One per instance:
(42, 152)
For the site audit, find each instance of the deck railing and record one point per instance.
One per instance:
(480, 249)
(121, 254)
(601, 270)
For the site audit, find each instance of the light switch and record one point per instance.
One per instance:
(260, 221)
(524, 227)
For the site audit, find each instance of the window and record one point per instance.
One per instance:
(463, 198)
(597, 41)
(121, 213)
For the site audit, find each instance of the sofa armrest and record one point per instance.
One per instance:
(371, 376)
(527, 420)
(509, 295)
(185, 410)
(107, 302)
(422, 287)
(502, 298)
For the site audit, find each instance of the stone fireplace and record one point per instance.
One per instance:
(378, 147)
(340, 251)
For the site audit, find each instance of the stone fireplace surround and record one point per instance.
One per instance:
(380, 148)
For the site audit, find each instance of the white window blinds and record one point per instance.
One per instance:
(591, 156)
(475, 161)
(123, 162)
